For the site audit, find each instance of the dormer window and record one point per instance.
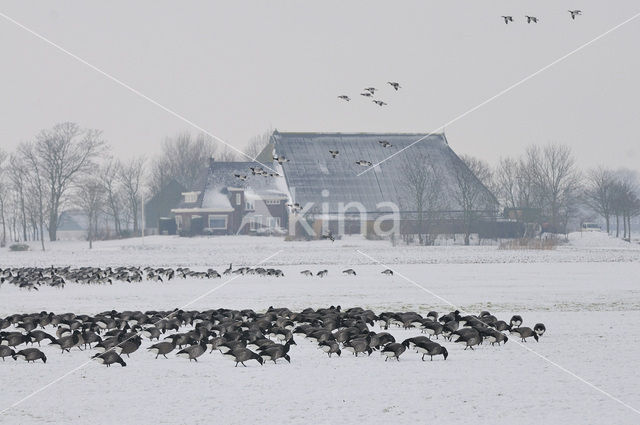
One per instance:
(190, 197)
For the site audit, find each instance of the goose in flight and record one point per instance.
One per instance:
(329, 236)
(531, 19)
(334, 153)
(379, 102)
(366, 94)
(371, 90)
(385, 144)
(507, 19)
(575, 13)
(393, 84)
(364, 163)
(344, 97)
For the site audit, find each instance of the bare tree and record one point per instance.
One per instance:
(556, 178)
(598, 192)
(64, 153)
(227, 155)
(257, 143)
(90, 199)
(37, 185)
(18, 177)
(626, 201)
(470, 192)
(4, 195)
(423, 194)
(132, 179)
(109, 176)
(183, 159)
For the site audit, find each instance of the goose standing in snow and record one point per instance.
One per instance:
(388, 272)
(393, 350)
(524, 333)
(108, 358)
(349, 272)
(194, 351)
(242, 355)
(30, 355)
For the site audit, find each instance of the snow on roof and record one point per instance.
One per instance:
(314, 176)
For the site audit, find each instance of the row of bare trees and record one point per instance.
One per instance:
(68, 167)
(545, 179)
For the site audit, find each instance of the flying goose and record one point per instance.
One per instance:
(393, 84)
(334, 153)
(379, 102)
(329, 236)
(366, 94)
(575, 13)
(507, 19)
(344, 97)
(531, 19)
(371, 90)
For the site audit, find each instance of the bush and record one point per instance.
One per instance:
(529, 243)
(19, 247)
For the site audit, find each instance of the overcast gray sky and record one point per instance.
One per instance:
(239, 68)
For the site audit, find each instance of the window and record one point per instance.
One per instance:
(217, 221)
(179, 222)
(249, 206)
(274, 222)
(272, 202)
(238, 199)
(190, 197)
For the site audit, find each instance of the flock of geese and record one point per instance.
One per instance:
(245, 335)
(31, 278)
(369, 92)
(534, 19)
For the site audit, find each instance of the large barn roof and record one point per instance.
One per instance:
(314, 176)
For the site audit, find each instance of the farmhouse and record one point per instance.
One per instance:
(297, 183)
(250, 204)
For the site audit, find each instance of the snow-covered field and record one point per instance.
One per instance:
(587, 293)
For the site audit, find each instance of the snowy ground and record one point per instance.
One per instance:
(587, 293)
